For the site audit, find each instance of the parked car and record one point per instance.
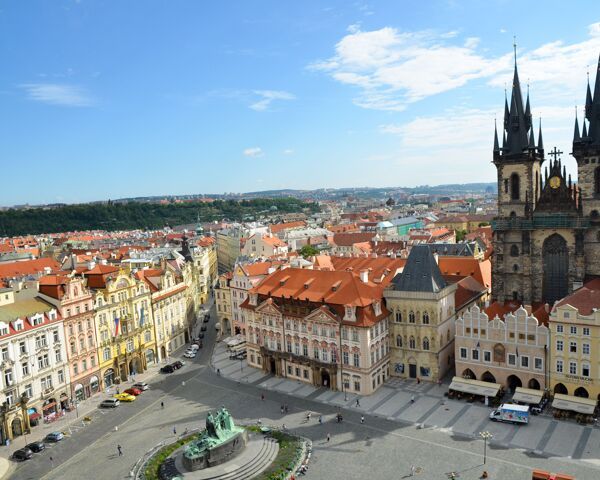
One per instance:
(36, 447)
(203, 328)
(177, 365)
(206, 319)
(143, 386)
(201, 334)
(167, 369)
(125, 397)
(110, 403)
(55, 437)
(133, 391)
(23, 454)
(190, 354)
(194, 346)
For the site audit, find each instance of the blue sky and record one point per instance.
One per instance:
(110, 99)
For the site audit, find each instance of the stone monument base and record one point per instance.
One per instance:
(219, 454)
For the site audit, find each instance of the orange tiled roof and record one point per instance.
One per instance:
(377, 266)
(467, 266)
(349, 239)
(27, 267)
(278, 227)
(274, 241)
(585, 299)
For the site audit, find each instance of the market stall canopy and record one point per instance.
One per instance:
(475, 387)
(575, 404)
(527, 395)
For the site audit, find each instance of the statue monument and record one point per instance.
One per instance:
(218, 443)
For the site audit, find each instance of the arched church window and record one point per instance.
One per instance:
(594, 215)
(514, 251)
(515, 268)
(514, 187)
(597, 181)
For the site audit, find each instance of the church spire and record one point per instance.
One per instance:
(531, 140)
(540, 141)
(527, 110)
(496, 145)
(594, 111)
(576, 136)
(584, 133)
(517, 132)
(588, 99)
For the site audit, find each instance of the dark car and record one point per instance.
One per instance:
(201, 335)
(167, 369)
(206, 319)
(203, 328)
(36, 447)
(177, 365)
(23, 454)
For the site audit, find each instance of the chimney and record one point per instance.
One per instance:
(364, 276)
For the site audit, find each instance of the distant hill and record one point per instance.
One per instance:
(133, 215)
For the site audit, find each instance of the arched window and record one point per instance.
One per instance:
(412, 343)
(398, 316)
(514, 251)
(514, 187)
(411, 317)
(398, 340)
(425, 318)
(425, 343)
(597, 181)
(515, 268)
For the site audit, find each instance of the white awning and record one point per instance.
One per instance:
(528, 395)
(475, 387)
(574, 404)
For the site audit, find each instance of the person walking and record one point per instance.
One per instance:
(412, 399)
(285, 407)
(308, 416)
(328, 437)
(320, 419)
(120, 450)
(262, 396)
(162, 405)
(218, 372)
(413, 470)
(362, 419)
(174, 431)
(357, 403)
(282, 409)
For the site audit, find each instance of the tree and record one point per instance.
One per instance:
(460, 235)
(390, 202)
(308, 251)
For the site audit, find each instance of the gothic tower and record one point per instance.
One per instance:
(538, 234)
(586, 150)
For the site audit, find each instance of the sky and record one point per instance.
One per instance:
(111, 99)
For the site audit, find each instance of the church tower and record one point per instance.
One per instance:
(586, 150)
(538, 233)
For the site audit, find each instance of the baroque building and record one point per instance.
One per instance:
(545, 236)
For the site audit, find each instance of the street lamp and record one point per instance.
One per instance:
(486, 436)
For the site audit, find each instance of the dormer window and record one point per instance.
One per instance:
(3, 329)
(18, 325)
(253, 299)
(350, 315)
(377, 308)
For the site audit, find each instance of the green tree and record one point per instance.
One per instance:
(460, 235)
(308, 251)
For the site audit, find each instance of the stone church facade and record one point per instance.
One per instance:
(547, 232)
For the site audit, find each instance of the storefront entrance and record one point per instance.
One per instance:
(325, 379)
(412, 370)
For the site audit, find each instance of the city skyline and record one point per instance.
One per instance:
(140, 101)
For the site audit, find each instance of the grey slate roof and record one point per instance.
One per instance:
(421, 273)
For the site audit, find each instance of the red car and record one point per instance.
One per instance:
(133, 391)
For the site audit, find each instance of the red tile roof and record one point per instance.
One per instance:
(349, 239)
(278, 227)
(27, 267)
(585, 299)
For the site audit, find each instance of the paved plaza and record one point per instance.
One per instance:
(436, 435)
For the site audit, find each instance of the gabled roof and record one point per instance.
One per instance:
(286, 226)
(27, 267)
(349, 239)
(421, 273)
(585, 299)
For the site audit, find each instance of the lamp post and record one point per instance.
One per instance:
(486, 436)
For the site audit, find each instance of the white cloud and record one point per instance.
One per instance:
(393, 68)
(288, 151)
(266, 97)
(253, 152)
(58, 94)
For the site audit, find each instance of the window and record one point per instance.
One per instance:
(357, 385)
(425, 318)
(22, 347)
(559, 329)
(325, 354)
(585, 370)
(25, 368)
(356, 360)
(106, 354)
(538, 363)
(28, 391)
(512, 359)
(573, 347)
(288, 346)
(305, 350)
(55, 336)
(559, 366)
(58, 356)
(147, 337)
(84, 365)
(487, 356)
(573, 330)
(514, 251)
(354, 335)
(525, 361)
(573, 368)
(425, 343)
(43, 361)
(345, 358)
(412, 343)
(463, 353)
(411, 317)
(514, 187)
(75, 368)
(61, 376)
(398, 317)
(475, 354)
(289, 369)
(4, 353)
(82, 344)
(559, 345)
(316, 352)
(586, 331)
(40, 341)
(399, 340)
(8, 377)
(130, 345)
(93, 360)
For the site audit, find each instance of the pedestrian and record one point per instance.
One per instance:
(308, 416)
(412, 470)
(285, 407)
(328, 437)
(118, 391)
(283, 428)
(282, 409)
(262, 396)
(418, 380)
(412, 399)
(357, 403)
(162, 405)
(120, 450)
(185, 431)
(218, 372)
(51, 462)
(174, 431)
(362, 419)
(320, 419)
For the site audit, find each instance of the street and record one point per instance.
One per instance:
(379, 448)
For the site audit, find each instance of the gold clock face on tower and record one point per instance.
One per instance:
(554, 182)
